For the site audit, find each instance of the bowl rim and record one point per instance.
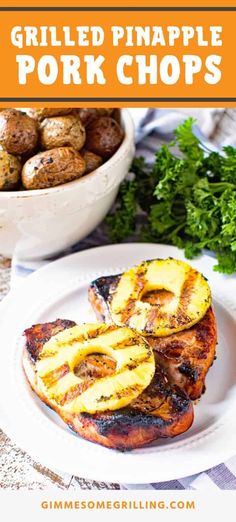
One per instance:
(128, 124)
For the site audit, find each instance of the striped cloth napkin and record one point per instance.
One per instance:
(153, 126)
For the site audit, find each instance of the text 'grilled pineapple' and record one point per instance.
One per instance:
(135, 367)
(189, 297)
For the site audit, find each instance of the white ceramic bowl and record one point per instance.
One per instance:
(38, 223)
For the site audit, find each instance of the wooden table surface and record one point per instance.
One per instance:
(19, 470)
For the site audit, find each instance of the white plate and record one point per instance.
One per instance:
(60, 290)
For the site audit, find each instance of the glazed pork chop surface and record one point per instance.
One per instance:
(185, 356)
(161, 410)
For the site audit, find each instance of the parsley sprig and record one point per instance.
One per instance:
(186, 199)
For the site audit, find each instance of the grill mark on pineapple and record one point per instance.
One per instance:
(101, 330)
(53, 376)
(120, 394)
(140, 281)
(126, 312)
(138, 285)
(74, 340)
(141, 278)
(68, 342)
(132, 341)
(132, 365)
(185, 296)
(74, 392)
(71, 339)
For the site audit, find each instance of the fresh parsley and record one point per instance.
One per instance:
(186, 199)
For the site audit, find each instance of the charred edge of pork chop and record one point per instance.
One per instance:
(161, 410)
(39, 334)
(186, 356)
(99, 293)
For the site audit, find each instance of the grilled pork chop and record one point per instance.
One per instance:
(185, 356)
(162, 409)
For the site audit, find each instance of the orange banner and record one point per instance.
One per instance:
(140, 56)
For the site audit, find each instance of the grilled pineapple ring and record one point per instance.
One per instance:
(190, 297)
(56, 378)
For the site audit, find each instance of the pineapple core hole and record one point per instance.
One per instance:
(157, 297)
(95, 366)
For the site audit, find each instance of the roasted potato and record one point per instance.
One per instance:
(18, 132)
(116, 115)
(39, 114)
(61, 131)
(92, 161)
(103, 136)
(10, 171)
(88, 115)
(52, 167)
